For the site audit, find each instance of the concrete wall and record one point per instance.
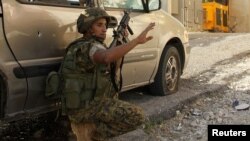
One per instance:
(239, 15)
(193, 16)
(189, 12)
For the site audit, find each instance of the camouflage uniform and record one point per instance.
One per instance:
(89, 95)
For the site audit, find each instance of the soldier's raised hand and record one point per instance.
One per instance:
(142, 38)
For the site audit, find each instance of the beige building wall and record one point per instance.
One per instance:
(239, 15)
(190, 13)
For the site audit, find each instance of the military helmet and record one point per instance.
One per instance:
(85, 20)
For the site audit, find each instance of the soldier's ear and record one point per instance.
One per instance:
(90, 31)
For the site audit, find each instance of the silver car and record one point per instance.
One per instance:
(35, 33)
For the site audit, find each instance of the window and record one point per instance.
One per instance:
(124, 4)
(77, 3)
(204, 1)
(154, 4)
(223, 2)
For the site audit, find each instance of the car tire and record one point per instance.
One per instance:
(168, 75)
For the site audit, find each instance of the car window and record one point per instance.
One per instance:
(154, 4)
(124, 4)
(78, 3)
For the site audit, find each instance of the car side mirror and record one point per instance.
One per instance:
(153, 5)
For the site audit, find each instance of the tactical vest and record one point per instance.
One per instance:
(80, 80)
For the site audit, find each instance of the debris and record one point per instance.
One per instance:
(196, 112)
(243, 106)
(179, 127)
(235, 103)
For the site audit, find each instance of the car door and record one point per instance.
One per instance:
(140, 62)
(37, 33)
(144, 56)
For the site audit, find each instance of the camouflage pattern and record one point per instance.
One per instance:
(86, 19)
(90, 96)
(112, 117)
(84, 80)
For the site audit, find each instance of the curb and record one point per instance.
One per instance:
(140, 135)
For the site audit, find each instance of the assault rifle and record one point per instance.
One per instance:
(119, 33)
(119, 38)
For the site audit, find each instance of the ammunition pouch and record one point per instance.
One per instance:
(79, 89)
(52, 85)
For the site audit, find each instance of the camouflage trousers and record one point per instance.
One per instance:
(111, 117)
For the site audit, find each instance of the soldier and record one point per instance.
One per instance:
(92, 105)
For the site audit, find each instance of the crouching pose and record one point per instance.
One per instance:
(92, 104)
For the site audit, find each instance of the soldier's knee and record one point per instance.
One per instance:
(136, 116)
(141, 117)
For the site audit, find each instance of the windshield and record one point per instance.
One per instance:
(124, 4)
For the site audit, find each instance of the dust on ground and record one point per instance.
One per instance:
(217, 107)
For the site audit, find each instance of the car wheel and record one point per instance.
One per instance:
(168, 75)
